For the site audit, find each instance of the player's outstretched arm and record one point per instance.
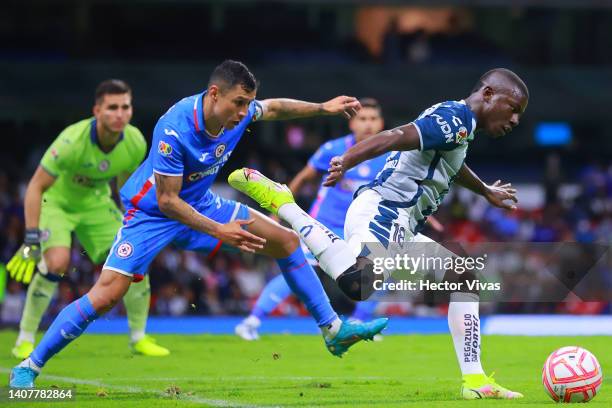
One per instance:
(232, 233)
(283, 108)
(403, 138)
(496, 193)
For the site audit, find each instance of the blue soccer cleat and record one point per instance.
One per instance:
(353, 332)
(22, 377)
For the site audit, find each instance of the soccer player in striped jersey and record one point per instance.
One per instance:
(427, 156)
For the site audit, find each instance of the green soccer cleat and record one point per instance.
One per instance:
(269, 194)
(479, 386)
(352, 332)
(147, 346)
(23, 350)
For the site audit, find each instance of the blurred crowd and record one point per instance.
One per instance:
(187, 283)
(305, 31)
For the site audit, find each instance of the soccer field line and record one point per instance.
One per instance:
(137, 390)
(261, 378)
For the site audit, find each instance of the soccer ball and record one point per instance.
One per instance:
(571, 374)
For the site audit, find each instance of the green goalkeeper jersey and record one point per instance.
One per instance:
(82, 169)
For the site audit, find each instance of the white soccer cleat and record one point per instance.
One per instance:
(247, 329)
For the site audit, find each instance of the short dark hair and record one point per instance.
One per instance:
(368, 102)
(111, 87)
(507, 74)
(231, 73)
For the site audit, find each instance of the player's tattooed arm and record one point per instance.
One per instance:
(39, 183)
(283, 108)
(169, 202)
(402, 138)
(496, 193)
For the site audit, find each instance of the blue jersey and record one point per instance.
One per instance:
(182, 147)
(332, 203)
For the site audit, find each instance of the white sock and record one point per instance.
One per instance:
(464, 325)
(29, 363)
(334, 254)
(25, 336)
(330, 331)
(136, 335)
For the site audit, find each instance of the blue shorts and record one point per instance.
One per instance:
(143, 236)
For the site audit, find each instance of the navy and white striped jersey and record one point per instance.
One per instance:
(419, 179)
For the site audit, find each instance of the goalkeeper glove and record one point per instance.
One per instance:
(22, 264)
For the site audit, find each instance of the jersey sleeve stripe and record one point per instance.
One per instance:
(195, 114)
(420, 135)
(143, 191)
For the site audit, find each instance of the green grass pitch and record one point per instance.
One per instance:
(287, 370)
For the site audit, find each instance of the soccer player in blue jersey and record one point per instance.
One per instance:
(329, 207)
(427, 156)
(168, 201)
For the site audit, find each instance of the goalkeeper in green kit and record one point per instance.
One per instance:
(70, 192)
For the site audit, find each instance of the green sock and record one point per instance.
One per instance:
(40, 293)
(475, 378)
(137, 301)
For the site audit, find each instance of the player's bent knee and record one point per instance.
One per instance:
(357, 282)
(57, 264)
(289, 242)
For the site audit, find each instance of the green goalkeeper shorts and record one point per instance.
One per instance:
(94, 224)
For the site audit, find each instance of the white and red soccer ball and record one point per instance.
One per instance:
(571, 374)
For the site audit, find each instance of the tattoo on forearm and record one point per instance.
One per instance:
(290, 108)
